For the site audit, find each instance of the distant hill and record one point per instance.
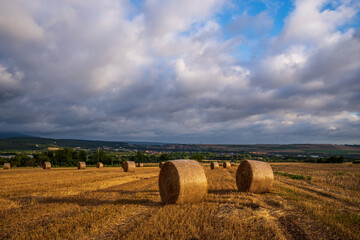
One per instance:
(37, 143)
(5, 135)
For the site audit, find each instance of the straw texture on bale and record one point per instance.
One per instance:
(214, 165)
(99, 165)
(129, 166)
(161, 164)
(226, 164)
(46, 165)
(81, 165)
(122, 164)
(254, 176)
(139, 164)
(7, 166)
(182, 181)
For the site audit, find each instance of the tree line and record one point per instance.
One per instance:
(68, 157)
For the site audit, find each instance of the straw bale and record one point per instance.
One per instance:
(99, 165)
(226, 164)
(161, 164)
(254, 176)
(139, 164)
(81, 165)
(182, 181)
(129, 166)
(214, 165)
(46, 165)
(7, 166)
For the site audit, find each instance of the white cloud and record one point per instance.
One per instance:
(309, 23)
(17, 24)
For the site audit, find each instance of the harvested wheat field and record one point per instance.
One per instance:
(65, 203)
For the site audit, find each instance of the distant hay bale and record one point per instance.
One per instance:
(46, 165)
(232, 164)
(182, 181)
(81, 165)
(129, 166)
(139, 164)
(99, 165)
(214, 165)
(161, 164)
(226, 164)
(7, 166)
(254, 176)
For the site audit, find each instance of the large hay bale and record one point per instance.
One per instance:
(81, 165)
(254, 176)
(161, 164)
(99, 165)
(226, 164)
(129, 166)
(214, 165)
(46, 165)
(182, 181)
(7, 166)
(139, 164)
(122, 164)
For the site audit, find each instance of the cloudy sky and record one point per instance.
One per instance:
(187, 71)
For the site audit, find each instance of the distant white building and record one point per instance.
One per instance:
(7, 156)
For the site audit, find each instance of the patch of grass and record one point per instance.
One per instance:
(293, 176)
(340, 173)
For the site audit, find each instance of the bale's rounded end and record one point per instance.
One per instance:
(46, 165)
(129, 166)
(99, 165)
(182, 181)
(254, 176)
(81, 165)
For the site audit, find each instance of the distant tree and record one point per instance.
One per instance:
(164, 157)
(198, 156)
(140, 157)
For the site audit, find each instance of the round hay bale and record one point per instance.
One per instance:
(7, 166)
(182, 181)
(129, 166)
(139, 164)
(161, 164)
(99, 165)
(254, 176)
(214, 165)
(226, 164)
(122, 164)
(232, 164)
(81, 165)
(46, 165)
